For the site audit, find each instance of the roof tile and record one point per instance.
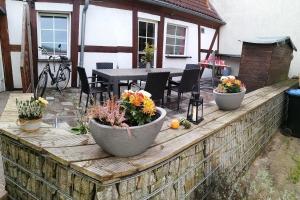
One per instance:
(201, 6)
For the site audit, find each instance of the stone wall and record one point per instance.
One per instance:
(33, 175)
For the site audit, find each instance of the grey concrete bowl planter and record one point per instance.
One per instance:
(117, 141)
(229, 101)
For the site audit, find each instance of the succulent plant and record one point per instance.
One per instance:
(31, 109)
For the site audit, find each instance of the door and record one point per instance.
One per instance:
(147, 34)
(2, 83)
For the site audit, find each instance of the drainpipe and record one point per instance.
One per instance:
(83, 22)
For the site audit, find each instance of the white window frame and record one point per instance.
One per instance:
(175, 36)
(155, 37)
(39, 32)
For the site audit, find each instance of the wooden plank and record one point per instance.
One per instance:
(44, 131)
(66, 155)
(105, 169)
(59, 140)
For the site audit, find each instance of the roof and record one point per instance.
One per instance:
(201, 6)
(197, 7)
(273, 40)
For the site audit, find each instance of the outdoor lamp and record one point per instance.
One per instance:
(195, 108)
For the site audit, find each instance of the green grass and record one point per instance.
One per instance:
(294, 175)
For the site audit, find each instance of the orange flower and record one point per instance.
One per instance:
(126, 94)
(136, 99)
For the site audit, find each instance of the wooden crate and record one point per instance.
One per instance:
(265, 61)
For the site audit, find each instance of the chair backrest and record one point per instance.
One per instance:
(104, 65)
(189, 79)
(85, 87)
(156, 84)
(192, 66)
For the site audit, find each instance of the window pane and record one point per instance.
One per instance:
(61, 23)
(150, 41)
(48, 47)
(169, 49)
(171, 41)
(142, 29)
(180, 31)
(171, 29)
(47, 36)
(179, 50)
(46, 22)
(151, 30)
(63, 49)
(61, 36)
(142, 42)
(180, 42)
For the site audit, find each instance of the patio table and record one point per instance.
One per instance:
(114, 76)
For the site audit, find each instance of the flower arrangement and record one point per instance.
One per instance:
(149, 53)
(31, 109)
(134, 109)
(139, 107)
(229, 84)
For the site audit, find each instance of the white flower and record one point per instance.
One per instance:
(224, 78)
(231, 77)
(146, 94)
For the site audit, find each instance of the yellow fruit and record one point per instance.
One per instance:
(175, 124)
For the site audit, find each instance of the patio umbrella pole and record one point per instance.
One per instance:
(83, 23)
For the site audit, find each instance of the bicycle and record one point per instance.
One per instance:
(62, 76)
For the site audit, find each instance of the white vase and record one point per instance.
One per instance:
(148, 66)
(229, 101)
(29, 125)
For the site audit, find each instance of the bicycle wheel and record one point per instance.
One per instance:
(62, 78)
(41, 85)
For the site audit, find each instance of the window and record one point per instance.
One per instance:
(175, 40)
(147, 34)
(54, 30)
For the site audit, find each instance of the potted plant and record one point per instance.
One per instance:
(128, 127)
(230, 93)
(30, 113)
(149, 55)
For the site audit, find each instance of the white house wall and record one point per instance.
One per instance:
(15, 62)
(107, 26)
(248, 19)
(122, 60)
(14, 11)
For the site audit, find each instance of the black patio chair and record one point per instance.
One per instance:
(155, 84)
(192, 66)
(109, 65)
(189, 79)
(90, 88)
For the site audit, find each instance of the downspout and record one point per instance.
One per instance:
(83, 23)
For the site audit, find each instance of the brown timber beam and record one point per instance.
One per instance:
(5, 49)
(74, 40)
(134, 38)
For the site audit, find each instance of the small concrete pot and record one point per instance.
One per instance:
(29, 125)
(118, 142)
(229, 101)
